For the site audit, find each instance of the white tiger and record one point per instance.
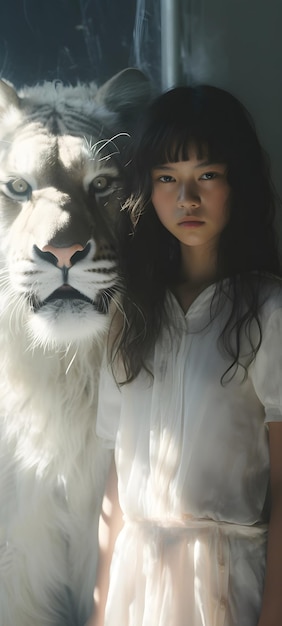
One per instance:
(61, 158)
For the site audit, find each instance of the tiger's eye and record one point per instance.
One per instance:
(19, 186)
(100, 183)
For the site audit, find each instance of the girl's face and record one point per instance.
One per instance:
(191, 199)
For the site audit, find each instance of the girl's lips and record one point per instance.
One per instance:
(191, 223)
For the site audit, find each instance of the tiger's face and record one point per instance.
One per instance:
(61, 187)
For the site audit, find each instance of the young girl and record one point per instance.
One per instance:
(192, 399)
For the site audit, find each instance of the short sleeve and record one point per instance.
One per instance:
(266, 370)
(109, 406)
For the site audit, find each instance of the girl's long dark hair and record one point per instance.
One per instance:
(218, 125)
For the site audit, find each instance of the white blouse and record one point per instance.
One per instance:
(193, 470)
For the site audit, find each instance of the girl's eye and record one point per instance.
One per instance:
(209, 176)
(166, 179)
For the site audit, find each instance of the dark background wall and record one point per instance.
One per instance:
(65, 39)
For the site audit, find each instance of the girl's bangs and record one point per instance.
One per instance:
(173, 145)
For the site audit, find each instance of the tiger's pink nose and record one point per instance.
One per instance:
(63, 254)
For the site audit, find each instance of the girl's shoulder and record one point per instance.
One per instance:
(269, 294)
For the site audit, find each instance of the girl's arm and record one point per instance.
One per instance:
(271, 613)
(111, 522)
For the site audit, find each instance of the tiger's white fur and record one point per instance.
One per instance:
(61, 159)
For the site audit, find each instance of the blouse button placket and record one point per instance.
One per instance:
(223, 575)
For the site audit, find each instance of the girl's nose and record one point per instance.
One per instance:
(188, 197)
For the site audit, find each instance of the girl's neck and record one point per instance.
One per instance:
(198, 271)
(198, 266)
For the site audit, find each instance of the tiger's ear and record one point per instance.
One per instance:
(128, 92)
(8, 96)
